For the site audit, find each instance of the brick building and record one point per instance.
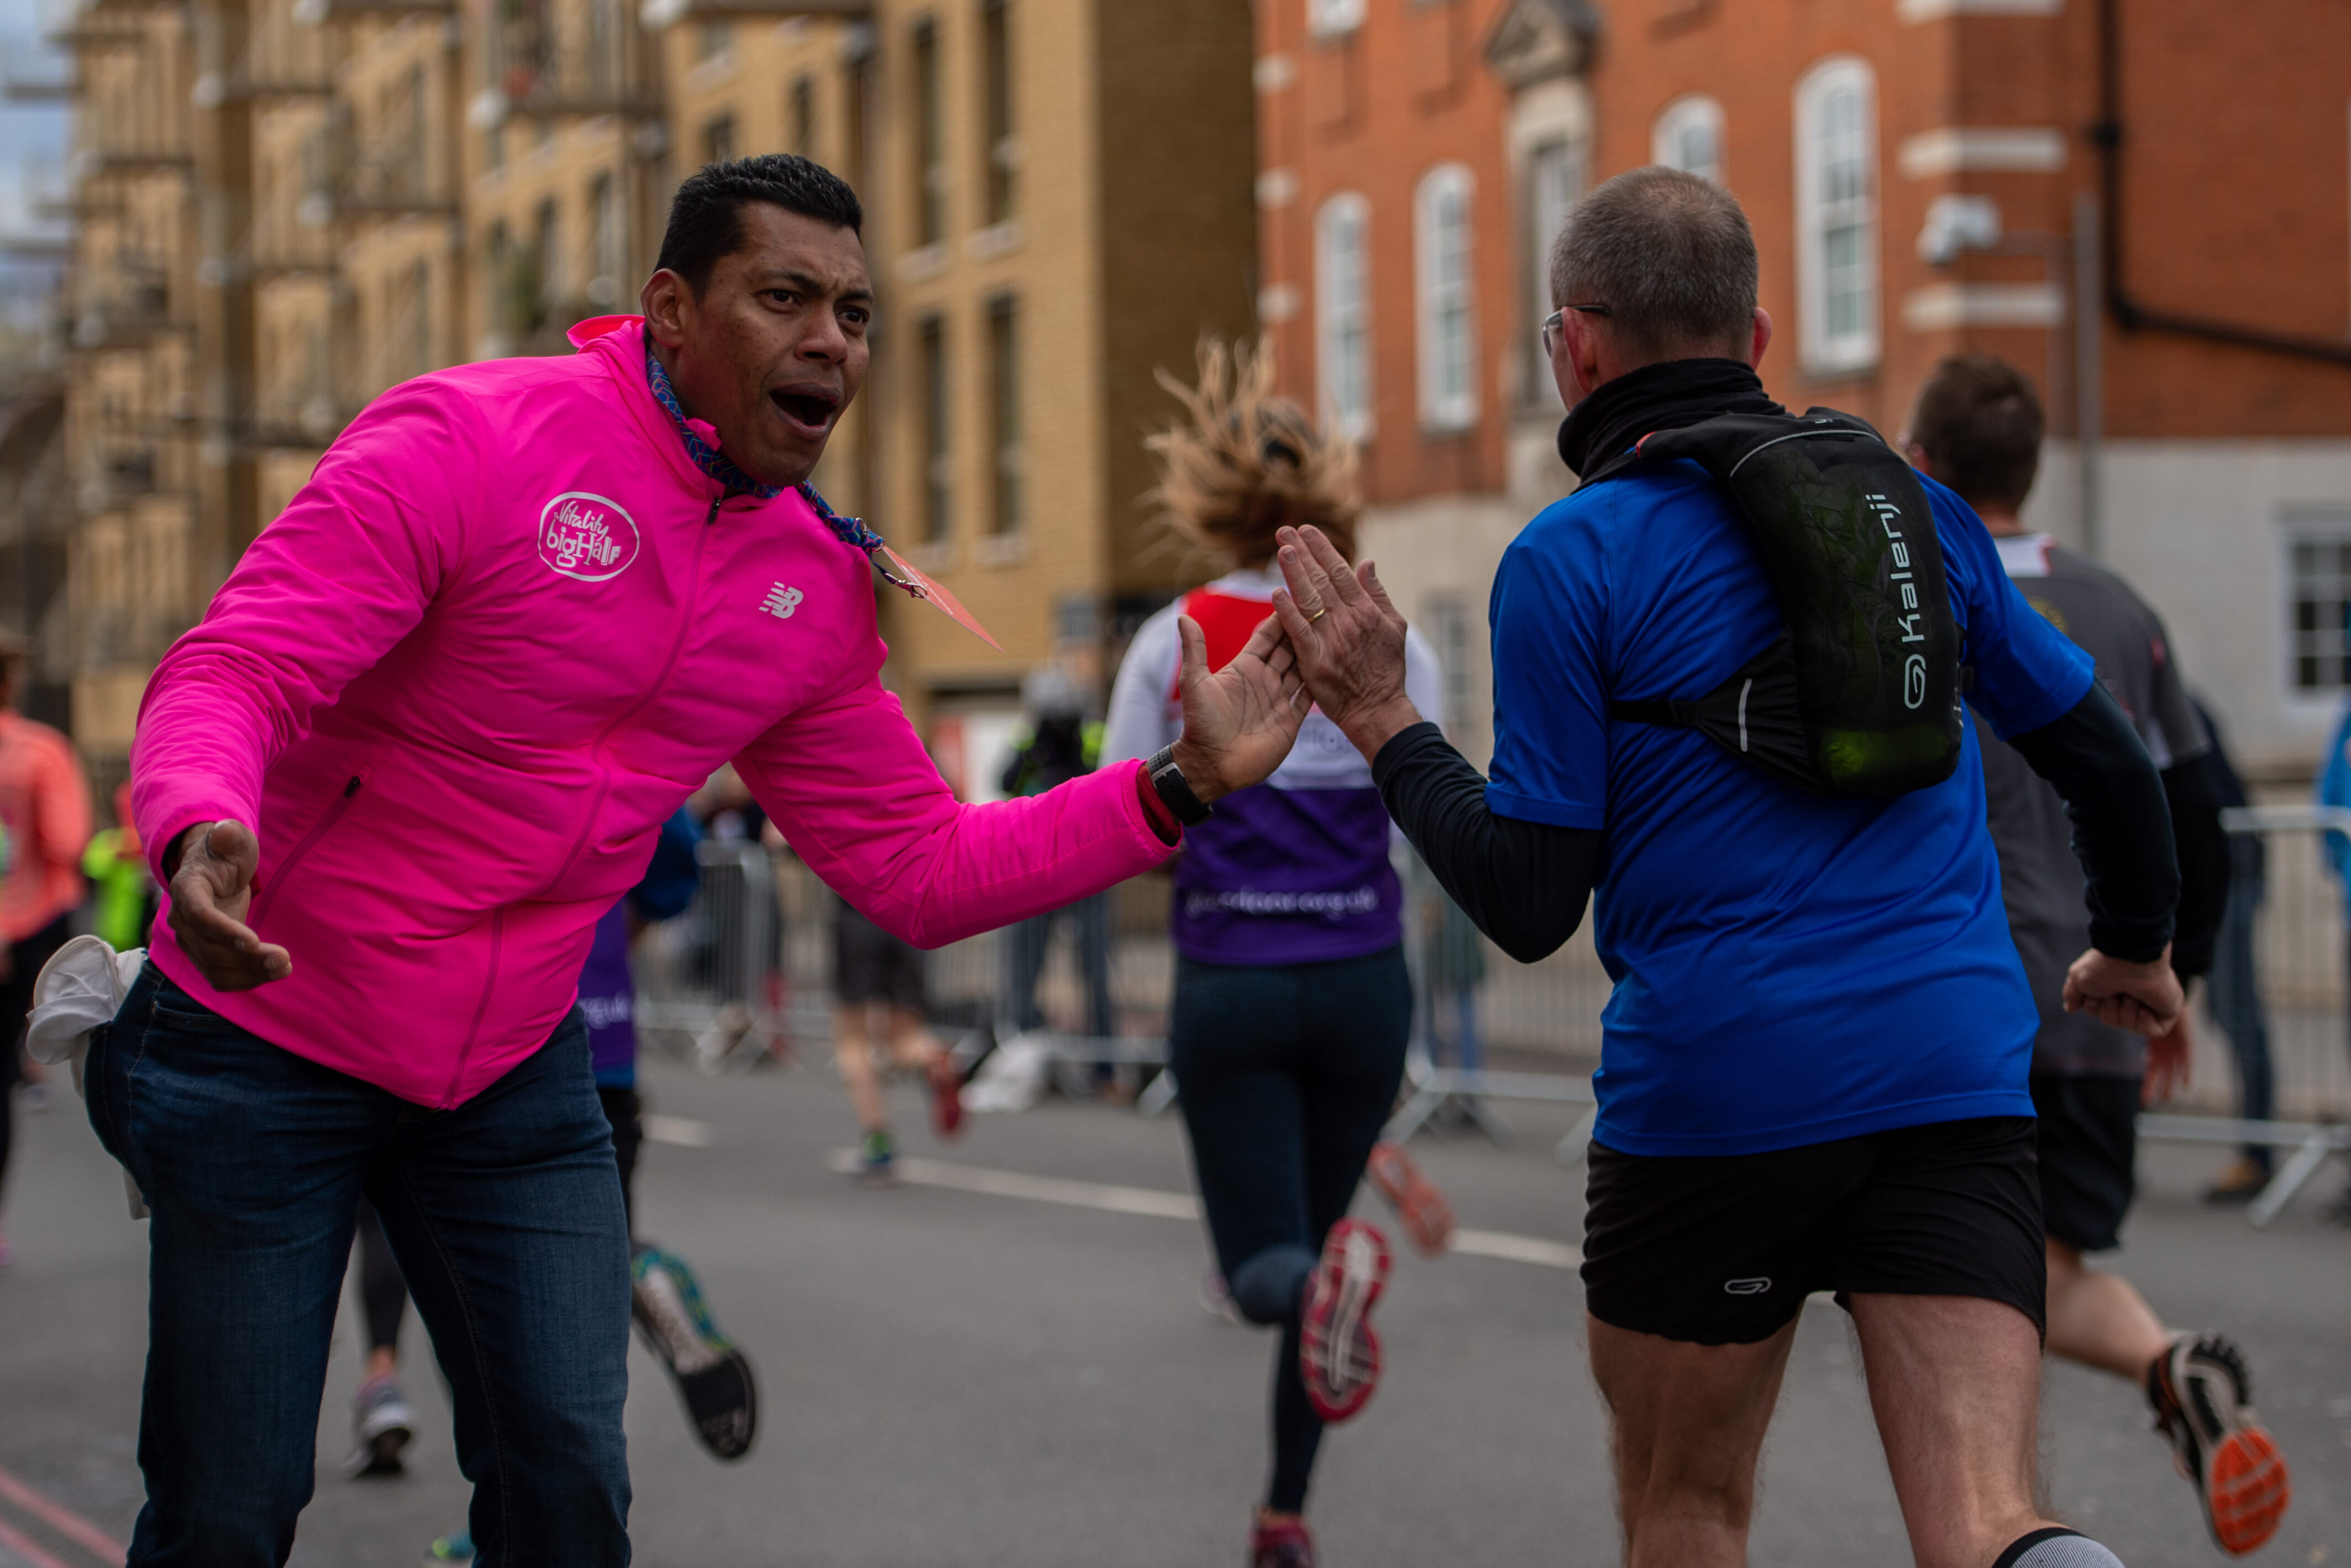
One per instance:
(1923, 176)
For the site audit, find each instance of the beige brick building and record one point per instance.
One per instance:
(288, 206)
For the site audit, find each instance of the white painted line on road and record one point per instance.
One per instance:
(678, 1130)
(1113, 1200)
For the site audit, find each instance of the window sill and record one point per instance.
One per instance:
(997, 239)
(921, 266)
(1002, 550)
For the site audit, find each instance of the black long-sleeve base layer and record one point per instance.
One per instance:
(1525, 884)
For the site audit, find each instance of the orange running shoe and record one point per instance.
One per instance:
(2203, 1400)
(1338, 1354)
(1419, 1207)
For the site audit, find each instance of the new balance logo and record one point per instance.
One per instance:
(1751, 1286)
(781, 601)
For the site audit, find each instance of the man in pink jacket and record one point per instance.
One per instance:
(424, 737)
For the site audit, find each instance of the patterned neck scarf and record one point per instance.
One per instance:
(715, 464)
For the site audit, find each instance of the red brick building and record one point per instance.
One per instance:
(2147, 204)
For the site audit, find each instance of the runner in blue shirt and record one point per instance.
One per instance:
(1813, 1065)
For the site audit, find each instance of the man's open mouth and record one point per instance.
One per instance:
(811, 409)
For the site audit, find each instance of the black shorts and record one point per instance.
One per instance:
(869, 965)
(2089, 1144)
(1723, 1249)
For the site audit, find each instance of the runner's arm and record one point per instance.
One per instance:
(2121, 825)
(2202, 845)
(1522, 883)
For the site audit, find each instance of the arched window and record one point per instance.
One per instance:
(1688, 136)
(1836, 216)
(1446, 288)
(1342, 313)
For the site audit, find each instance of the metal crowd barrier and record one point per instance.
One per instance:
(2299, 964)
(709, 983)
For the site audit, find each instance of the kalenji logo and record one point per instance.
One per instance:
(585, 537)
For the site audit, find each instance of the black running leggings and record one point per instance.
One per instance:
(1286, 1076)
(383, 1294)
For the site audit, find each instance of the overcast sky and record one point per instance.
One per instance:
(33, 142)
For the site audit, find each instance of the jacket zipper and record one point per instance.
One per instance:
(677, 646)
(481, 1009)
(334, 814)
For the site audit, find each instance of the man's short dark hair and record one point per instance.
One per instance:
(1671, 256)
(1979, 423)
(705, 216)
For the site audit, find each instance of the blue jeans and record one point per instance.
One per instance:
(1026, 948)
(505, 1215)
(1285, 1075)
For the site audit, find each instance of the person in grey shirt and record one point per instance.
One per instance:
(1978, 428)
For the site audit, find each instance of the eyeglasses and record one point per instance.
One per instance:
(1551, 323)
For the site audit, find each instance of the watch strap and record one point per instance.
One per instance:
(1174, 791)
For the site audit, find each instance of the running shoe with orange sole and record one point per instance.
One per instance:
(1338, 1351)
(1420, 1208)
(1280, 1543)
(2203, 1400)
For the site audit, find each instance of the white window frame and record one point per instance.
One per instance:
(1342, 313)
(1691, 111)
(1333, 18)
(1442, 294)
(2327, 530)
(1856, 345)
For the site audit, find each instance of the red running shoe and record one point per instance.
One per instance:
(1419, 1207)
(1280, 1543)
(1338, 1353)
(945, 1084)
(2203, 1400)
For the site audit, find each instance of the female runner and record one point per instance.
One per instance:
(1292, 1005)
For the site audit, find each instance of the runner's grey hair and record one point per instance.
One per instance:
(1248, 462)
(1671, 256)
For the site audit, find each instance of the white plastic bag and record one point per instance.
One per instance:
(79, 989)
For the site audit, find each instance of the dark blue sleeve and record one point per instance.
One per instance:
(670, 880)
(2027, 674)
(1550, 615)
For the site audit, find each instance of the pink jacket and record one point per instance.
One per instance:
(499, 637)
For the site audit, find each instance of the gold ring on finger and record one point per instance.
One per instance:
(1317, 615)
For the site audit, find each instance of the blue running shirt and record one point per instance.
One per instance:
(1788, 969)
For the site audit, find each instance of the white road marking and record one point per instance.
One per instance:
(1113, 1200)
(680, 1131)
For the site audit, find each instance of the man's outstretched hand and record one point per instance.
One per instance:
(2143, 998)
(210, 894)
(1348, 640)
(1240, 722)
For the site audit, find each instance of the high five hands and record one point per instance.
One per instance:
(1239, 722)
(1348, 639)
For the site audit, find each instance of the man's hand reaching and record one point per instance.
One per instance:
(1348, 637)
(1240, 722)
(210, 894)
(2144, 998)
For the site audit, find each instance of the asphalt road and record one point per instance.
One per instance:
(1018, 1372)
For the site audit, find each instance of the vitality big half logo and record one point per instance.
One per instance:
(585, 537)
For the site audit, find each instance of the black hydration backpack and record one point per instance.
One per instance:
(1859, 697)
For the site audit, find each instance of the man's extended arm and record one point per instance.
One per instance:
(859, 799)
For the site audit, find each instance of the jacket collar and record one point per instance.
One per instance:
(618, 344)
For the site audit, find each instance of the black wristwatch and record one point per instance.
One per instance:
(1175, 789)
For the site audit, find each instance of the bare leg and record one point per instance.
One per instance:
(1955, 1386)
(912, 1043)
(2100, 1319)
(1688, 1423)
(852, 1048)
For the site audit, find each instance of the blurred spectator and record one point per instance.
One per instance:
(872, 968)
(1056, 746)
(2335, 790)
(44, 814)
(1453, 966)
(2236, 996)
(123, 903)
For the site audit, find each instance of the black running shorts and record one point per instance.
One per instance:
(2089, 1144)
(1723, 1249)
(869, 965)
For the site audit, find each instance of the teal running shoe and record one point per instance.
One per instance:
(713, 1377)
(457, 1548)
